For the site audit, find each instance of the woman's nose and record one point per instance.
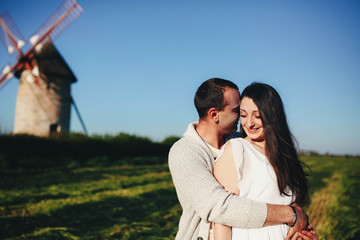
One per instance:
(250, 122)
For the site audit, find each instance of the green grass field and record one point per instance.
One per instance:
(118, 200)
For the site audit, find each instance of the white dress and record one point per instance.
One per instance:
(257, 181)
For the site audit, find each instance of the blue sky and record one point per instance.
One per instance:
(139, 63)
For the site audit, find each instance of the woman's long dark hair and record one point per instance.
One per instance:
(280, 144)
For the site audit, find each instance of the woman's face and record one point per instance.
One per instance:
(251, 120)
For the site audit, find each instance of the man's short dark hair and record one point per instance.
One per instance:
(210, 94)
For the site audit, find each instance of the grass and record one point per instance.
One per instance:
(335, 204)
(114, 202)
(135, 199)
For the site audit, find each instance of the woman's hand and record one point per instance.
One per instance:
(308, 234)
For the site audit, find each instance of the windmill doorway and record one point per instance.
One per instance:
(55, 129)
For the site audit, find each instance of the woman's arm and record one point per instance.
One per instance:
(226, 174)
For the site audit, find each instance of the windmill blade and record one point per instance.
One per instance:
(12, 39)
(6, 75)
(8, 72)
(10, 35)
(56, 23)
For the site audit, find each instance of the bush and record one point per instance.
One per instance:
(169, 141)
(47, 152)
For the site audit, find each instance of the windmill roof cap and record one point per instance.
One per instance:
(51, 63)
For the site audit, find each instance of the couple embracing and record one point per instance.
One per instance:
(249, 187)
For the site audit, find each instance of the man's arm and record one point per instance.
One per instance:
(284, 214)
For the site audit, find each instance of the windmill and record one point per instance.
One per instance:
(44, 93)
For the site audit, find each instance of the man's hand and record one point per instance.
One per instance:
(302, 218)
(301, 223)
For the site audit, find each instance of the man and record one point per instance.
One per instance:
(202, 198)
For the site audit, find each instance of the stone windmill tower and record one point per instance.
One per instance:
(44, 94)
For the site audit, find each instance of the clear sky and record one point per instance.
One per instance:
(139, 62)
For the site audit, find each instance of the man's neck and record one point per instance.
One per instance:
(210, 134)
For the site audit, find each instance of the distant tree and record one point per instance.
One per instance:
(170, 140)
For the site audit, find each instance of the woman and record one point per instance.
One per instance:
(263, 166)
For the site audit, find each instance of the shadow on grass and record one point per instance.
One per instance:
(147, 215)
(19, 200)
(74, 175)
(62, 170)
(39, 183)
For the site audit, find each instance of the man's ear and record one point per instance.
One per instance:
(213, 114)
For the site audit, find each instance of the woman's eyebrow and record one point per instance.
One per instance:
(241, 109)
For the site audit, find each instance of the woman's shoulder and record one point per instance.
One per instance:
(238, 142)
(234, 145)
